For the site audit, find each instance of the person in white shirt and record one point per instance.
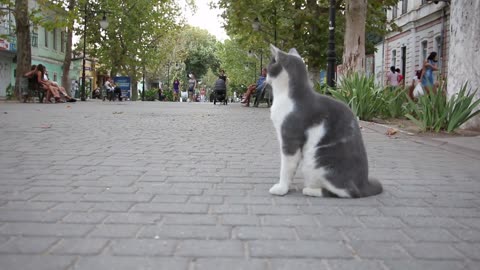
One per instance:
(392, 78)
(109, 87)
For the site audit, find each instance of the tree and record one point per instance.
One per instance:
(354, 40)
(464, 41)
(299, 24)
(24, 51)
(200, 51)
(130, 44)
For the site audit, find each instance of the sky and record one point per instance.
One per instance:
(207, 19)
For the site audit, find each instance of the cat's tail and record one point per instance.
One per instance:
(373, 187)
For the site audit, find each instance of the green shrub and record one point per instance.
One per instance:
(151, 94)
(9, 92)
(168, 95)
(395, 103)
(435, 112)
(361, 95)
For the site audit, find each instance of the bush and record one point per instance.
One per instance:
(167, 95)
(435, 112)
(151, 94)
(10, 92)
(395, 103)
(361, 95)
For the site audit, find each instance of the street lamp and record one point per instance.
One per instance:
(103, 25)
(331, 55)
(256, 25)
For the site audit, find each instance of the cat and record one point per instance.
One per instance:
(318, 130)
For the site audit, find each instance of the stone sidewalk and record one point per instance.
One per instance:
(155, 185)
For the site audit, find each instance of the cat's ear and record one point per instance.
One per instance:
(293, 51)
(274, 51)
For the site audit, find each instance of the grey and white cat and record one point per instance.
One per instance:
(318, 130)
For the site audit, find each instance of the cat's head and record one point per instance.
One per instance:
(291, 63)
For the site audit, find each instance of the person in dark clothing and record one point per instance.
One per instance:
(220, 90)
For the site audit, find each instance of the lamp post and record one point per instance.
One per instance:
(103, 25)
(258, 27)
(331, 55)
(143, 83)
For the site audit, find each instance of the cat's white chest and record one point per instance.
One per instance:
(282, 106)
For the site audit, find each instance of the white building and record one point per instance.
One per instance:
(424, 29)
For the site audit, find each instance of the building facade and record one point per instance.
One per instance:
(48, 48)
(424, 28)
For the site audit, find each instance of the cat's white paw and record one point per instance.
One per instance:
(314, 192)
(278, 189)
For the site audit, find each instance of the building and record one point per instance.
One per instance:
(424, 28)
(48, 48)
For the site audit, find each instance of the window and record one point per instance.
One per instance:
(404, 6)
(394, 58)
(62, 41)
(54, 39)
(46, 37)
(54, 76)
(34, 39)
(424, 50)
(394, 12)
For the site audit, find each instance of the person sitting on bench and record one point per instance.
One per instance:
(251, 88)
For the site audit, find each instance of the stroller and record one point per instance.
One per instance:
(220, 92)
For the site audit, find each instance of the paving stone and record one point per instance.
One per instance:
(170, 208)
(305, 249)
(128, 263)
(440, 251)
(296, 220)
(298, 264)
(269, 233)
(94, 218)
(210, 248)
(382, 222)
(185, 232)
(132, 218)
(230, 263)
(430, 235)
(45, 229)
(233, 219)
(318, 233)
(115, 231)
(143, 247)
(470, 250)
(30, 245)
(338, 221)
(467, 235)
(190, 219)
(26, 216)
(424, 265)
(76, 246)
(354, 265)
(382, 235)
(379, 250)
(35, 262)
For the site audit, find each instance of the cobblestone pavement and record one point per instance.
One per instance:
(185, 186)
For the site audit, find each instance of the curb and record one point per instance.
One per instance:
(447, 146)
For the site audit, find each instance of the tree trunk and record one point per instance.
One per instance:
(354, 41)
(134, 84)
(66, 83)
(24, 50)
(464, 43)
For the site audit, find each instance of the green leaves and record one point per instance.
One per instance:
(361, 95)
(435, 112)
